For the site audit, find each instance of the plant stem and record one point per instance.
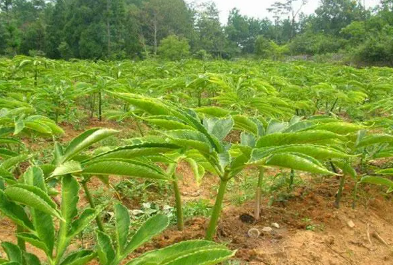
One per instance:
(291, 179)
(21, 242)
(340, 192)
(211, 231)
(100, 105)
(92, 205)
(355, 195)
(258, 195)
(179, 207)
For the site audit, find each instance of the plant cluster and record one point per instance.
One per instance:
(222, 119)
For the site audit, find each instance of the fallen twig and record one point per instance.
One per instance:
(368, 234)
(377, 236)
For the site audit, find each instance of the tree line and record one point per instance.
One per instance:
(173, 29)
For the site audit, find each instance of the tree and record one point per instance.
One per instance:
(333, 15)
(161, 18)
(210, 34)
(174, 48)
(237, 29)
(264, 47)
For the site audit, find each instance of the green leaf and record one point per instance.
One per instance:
(68, 167)
(186, 252)
(297, 162)
(44, 228)
(13, 252)
(32, 197)
(276, 139)
(13, 161)
(315, 151)
(347, 169)
(245, 124)
(339, 127)
(69, 198)
(167, 122)
(19, 125)
(83, 221)
(33, 240)
(6, 153)
(247, 139)
(31, 259)
(34, 176)
(43, 222)
(15, 212)
(220, 128)
(137, 150)
(386, 171)
(57, 153)
(81, 257)
(191, 139)
(147, 231)
(130, 168)
(213, 111)
(378, 181)
(105, 251)
(374, 139)
(84, 141)
(122, 227)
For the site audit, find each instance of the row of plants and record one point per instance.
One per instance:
(72, 91)
(243, 118)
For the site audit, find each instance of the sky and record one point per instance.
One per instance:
(257, 8)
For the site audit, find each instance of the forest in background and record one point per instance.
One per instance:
(173, 29)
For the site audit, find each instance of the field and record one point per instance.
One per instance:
(194, 162)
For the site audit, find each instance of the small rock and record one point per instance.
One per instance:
(267, 229)
(351, 224)
(276, 225)
(253, 233)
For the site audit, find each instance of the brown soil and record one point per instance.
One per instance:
(311, 230)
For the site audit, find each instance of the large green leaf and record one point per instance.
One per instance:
(13, 161)
(378, 181)
(78, 225)
(186, 252)
(130, 168)
(68, 167)
(191, 139)
(167, 122)
(122, 219)
(213, 111)
(33, 197)
(297, 161)
(276, 139)
(375, 139)
(33, 240)
(31, 259)
(34, 176)
(137, 150)
(339, 127)
(81, 257)
(15, 212)
(43, 222)
(84, 141)
(105, 251)
(13, 252)
(315, 151)
(220, 128)
(243, 123)
(148, 230)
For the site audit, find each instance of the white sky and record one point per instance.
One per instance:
(257, 8)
